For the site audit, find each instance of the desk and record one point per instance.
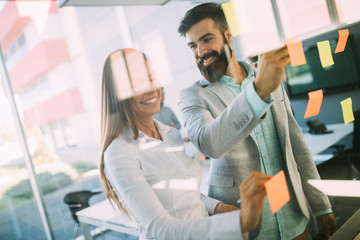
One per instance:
(350, 229)
(103, 215)
(320, 142)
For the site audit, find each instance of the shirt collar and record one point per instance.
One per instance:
(162, 128)
(231, 81)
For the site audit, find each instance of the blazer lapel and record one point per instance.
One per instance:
(221, 92)
(277, 110)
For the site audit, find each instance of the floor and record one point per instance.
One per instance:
(342, 167)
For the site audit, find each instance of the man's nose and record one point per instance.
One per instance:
(201, 51)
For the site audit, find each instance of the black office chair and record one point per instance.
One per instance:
(355, 153)
(77, 201)
(345, 164)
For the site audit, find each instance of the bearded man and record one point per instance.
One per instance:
(244, 122)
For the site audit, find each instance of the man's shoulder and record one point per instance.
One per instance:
(195, 87)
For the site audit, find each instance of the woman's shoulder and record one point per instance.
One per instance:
(169, 133)
(120, 146)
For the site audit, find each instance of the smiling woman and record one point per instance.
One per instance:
(144, 169)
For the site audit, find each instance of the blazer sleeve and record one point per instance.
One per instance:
(175, 120)
(215, 135)
(210, 203)
(124, 172)
(318, 201)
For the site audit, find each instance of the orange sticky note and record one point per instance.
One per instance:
(296, 53)
(343, 36)
(202, 157)
(325, 54)
(277, 191)
(348, 114)
(314, 104)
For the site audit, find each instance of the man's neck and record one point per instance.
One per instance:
(236, 71)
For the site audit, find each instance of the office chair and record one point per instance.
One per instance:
(77, 201)
(355, 154)
(345, 165)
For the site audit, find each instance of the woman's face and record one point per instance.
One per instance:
(147, 104)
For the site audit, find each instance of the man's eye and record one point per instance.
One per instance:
(192, 46)
(206, 40)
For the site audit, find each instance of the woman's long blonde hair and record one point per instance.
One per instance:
(116, 114)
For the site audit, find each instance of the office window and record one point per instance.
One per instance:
(56, 78)
(19, 214)
(57, 82)
(21, 40)
(348, 10)
(302, 17)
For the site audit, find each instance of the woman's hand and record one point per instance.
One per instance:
(223, 207)
(252, 193)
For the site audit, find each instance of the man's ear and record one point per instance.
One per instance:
(228, 36)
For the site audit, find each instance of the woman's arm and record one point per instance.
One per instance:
(124, 172)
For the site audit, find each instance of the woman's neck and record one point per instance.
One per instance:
(148, 127)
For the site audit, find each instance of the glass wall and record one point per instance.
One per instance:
(54, 58)
(348, 10)
(301, 17)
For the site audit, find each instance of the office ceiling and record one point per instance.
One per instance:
(63, 3)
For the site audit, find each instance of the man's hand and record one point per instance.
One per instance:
(328, 223)
(223, 207)
(252, 192)
(271, 66)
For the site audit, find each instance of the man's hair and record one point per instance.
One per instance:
(200, 12)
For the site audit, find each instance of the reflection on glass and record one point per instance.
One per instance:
(312, 76)
(301, 17)
(348, 10)
(19, 215)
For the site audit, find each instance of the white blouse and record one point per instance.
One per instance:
(160, 187)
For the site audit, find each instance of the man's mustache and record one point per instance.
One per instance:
(200, 60)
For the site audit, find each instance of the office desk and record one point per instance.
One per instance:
(320, 142)
(103, 215)
(350, 230)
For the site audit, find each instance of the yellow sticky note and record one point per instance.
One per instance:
(348, 114)
(236, 16)
(230, 15)
(326, 58)
(277, 191)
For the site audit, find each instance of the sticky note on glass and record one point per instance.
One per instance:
(326, 58)
(348, 114)
(314, 104)
(138, 70)
(296, 52)
(277, 191)
(121, 80)
(236, 17)
(343, 36)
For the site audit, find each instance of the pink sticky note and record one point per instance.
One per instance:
(296, 52)
(314, 104)
(343, 36)
(277, 191)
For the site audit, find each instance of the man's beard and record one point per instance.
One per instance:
(214, 71)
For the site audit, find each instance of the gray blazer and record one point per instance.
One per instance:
(221, 128)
